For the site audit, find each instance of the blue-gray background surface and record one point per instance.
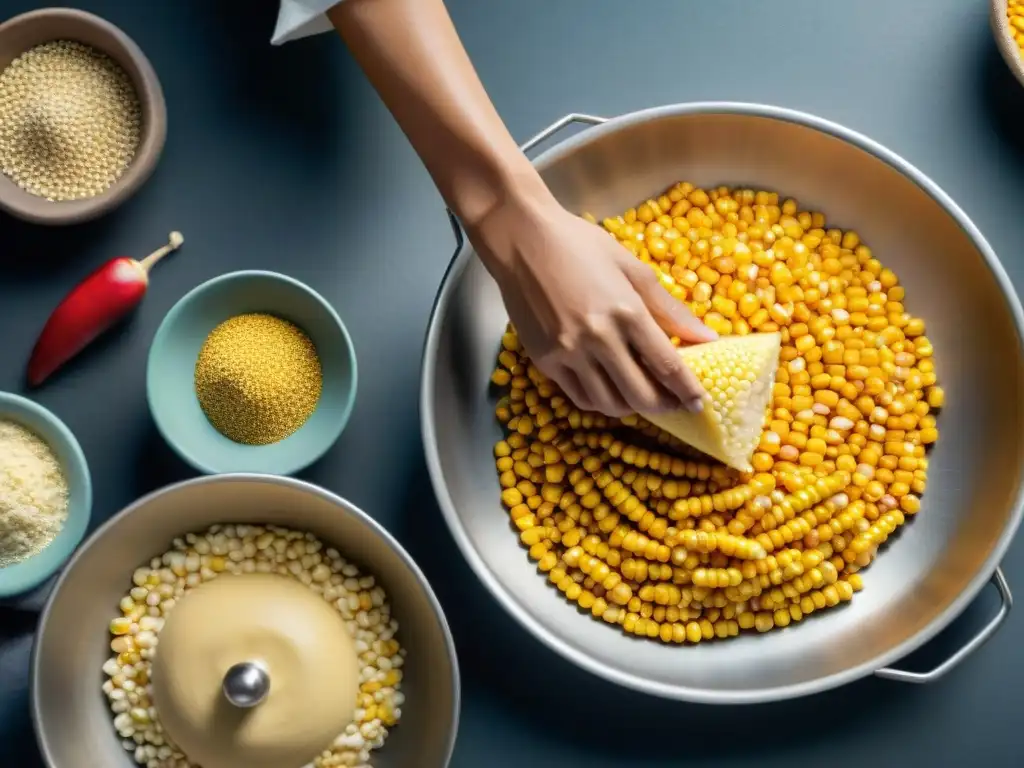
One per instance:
(285, 159)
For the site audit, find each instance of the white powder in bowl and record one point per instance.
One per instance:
(33, 494)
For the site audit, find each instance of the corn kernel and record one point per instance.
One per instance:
(640, 531)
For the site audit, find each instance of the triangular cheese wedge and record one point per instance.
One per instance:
(738, 373)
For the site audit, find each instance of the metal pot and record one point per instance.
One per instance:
(73, 720)
(973, 503)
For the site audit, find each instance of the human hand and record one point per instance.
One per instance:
(593, 318)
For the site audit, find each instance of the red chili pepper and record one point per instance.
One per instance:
(97, 303)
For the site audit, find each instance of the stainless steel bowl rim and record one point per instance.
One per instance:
(483, 571)
(302, 485)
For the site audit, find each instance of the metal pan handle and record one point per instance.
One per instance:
(558, 125)
(983, 636)
(529, 144)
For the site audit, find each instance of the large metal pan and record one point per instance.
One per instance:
(973, 504)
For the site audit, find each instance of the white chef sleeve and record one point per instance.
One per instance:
(301, 18)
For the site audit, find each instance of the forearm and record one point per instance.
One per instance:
(412, 54)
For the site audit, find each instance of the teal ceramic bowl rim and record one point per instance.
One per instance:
(25, 576)
(182, 305)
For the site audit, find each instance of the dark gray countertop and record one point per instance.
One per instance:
(284, 159)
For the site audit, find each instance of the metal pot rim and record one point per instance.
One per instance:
(508, 601)
(300, 485)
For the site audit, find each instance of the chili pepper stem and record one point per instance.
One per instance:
(174, 242)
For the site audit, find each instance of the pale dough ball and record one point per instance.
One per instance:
(300, 640)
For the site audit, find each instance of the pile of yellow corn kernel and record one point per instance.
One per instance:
(643, 532)
(1015, 17)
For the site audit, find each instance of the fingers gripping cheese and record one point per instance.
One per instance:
(737, 373)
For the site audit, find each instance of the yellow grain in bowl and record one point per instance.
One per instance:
(258, 378)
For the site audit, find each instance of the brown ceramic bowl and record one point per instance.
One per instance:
(1004, 39)
(28, 30)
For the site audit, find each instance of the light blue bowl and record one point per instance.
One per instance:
(170, 374)
(27, 575)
